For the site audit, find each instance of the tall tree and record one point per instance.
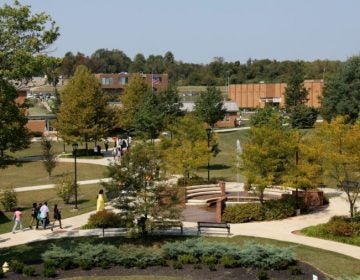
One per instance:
(82, 116)
(338, 143)
(23, 37)
(139, 63)
(266, 157)
(296, 96)
(135, 91)
(109, 61)
(142, 192)
(209, 107)
(187, 150)
(342, 92)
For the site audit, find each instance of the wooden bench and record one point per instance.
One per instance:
(165, 225)
(213, 225)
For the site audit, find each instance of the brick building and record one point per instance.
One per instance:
(115, 83)
(261, 94)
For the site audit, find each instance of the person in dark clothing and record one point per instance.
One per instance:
(57, 217)
(34, 212)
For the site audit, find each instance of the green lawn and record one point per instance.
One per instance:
(333, 264)
(223, 164)
(86, 203)
(33, 173)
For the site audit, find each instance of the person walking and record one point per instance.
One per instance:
(106, 143)
(100, 202)
(57, 216)
(17, 220)
(38, 218)
(34, 212)
(44, 214)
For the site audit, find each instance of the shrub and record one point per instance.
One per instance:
(262, 275)
(65, 188)
(177, 265)
(141, 264)
(266, 257)
(212, 267)
(85, 264)
(49, 272)
(228, 261)
(209, 260)
(343, 226)
(29, 270)
(105, 219)
(104, 264)
(16, 266)
(241, 213)
(67, 264)
(279, 209)
(9, 199)
(187, 259)
(57, 256)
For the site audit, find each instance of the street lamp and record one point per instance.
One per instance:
(208, 132)
(75, 149)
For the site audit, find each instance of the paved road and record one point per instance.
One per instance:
(279, 230)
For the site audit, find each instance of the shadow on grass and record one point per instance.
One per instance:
(216, 167)
(3, 218)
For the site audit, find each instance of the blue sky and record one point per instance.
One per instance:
(199, 30)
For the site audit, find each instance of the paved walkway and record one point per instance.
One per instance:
(279, 230)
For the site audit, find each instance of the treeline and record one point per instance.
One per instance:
(217, 72)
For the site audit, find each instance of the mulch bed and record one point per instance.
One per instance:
(188, 271)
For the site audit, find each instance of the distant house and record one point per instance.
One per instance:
(115, 82)
(231, 116)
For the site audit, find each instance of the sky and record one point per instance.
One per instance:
(199, 30)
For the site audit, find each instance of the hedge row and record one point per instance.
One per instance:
(270, 210)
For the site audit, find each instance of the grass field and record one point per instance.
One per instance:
(333, 264)
(223, 164)
(86, 203)
(33, 173)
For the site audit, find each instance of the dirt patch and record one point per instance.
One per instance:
(187, 271)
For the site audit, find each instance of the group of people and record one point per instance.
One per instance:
(121, 146)
(40, 216)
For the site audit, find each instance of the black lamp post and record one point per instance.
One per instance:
(75, 149)
(208, 132)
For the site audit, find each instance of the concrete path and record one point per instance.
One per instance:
(279, 230)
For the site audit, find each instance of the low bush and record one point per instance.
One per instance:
(270, 210)
(59, 257)
(85, 264)
(228, 261)
(65, 188)
(262, 275)
(8, 199)
(29, 270)
(105, 219)
(242, 213)
(295, 270)
(49, 272)
(343, 226)
(187, 259)
(209, 260)
(177, 265)
(16, 266)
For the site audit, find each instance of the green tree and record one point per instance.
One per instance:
(49, 158)
(338, 144)
(135, 91)
(23, 37)
(142, 192)
(342, 92)
(109, 61)
(83, 109)
(296, 96)
(14, 135)
(266, 157)
(138, 64)
(268, 116)
(209, 107)
(52, 74)
(187, 150)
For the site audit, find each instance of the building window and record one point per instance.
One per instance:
(106, 81)
(123, 80)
